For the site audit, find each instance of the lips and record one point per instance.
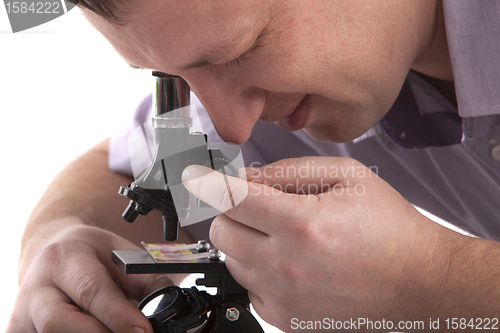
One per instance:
(296, 118)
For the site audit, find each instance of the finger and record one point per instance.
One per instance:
(87, 282)
(20, 319)
(311, 175)
(262, 310)
(139, 286)
(245, 173)
(258, 206)
(51, 311)
(238, 241)
(245, 276)
(257, 303)
(136, 287)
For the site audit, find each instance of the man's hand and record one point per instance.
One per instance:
(67, 280)
(72, 286)
(325, 237)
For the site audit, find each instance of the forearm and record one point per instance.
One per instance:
(85, 192)
(473, 279)
(462, 273)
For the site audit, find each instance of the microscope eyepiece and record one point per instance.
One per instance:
(161, 74)
(171, 94)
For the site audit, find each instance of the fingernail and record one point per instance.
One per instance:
(189, 174)
(193, 172)
(137, 329)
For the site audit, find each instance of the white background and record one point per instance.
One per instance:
(62, 89)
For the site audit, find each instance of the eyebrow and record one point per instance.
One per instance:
(216, 55)
(211, 57)
(201, 63)
(194, 65)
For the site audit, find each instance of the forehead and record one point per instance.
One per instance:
(174, 29)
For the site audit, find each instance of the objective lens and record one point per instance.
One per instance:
(164, 304)
(159, 304)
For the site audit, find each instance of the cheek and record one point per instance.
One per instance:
(339, 77)
(358, 89)
(358, 78)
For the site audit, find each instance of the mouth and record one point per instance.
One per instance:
(296, 118)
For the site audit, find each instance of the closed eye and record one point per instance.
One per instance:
(235, 62)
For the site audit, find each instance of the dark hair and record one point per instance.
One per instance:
(104, 8)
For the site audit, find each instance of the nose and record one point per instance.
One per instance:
(234, 106)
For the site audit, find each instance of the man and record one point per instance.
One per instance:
(333, 69)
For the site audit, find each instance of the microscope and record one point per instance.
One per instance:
(173, 309)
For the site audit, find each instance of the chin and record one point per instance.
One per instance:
(335, 135)
(342, 122)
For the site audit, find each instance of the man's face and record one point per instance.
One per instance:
(333, 68)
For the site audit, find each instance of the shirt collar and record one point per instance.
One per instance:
(473, 33)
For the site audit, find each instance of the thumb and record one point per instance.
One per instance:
(204, 183)
(136, 286)
(140, 286)
(252, 204)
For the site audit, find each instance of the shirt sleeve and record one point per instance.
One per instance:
(119, 156)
